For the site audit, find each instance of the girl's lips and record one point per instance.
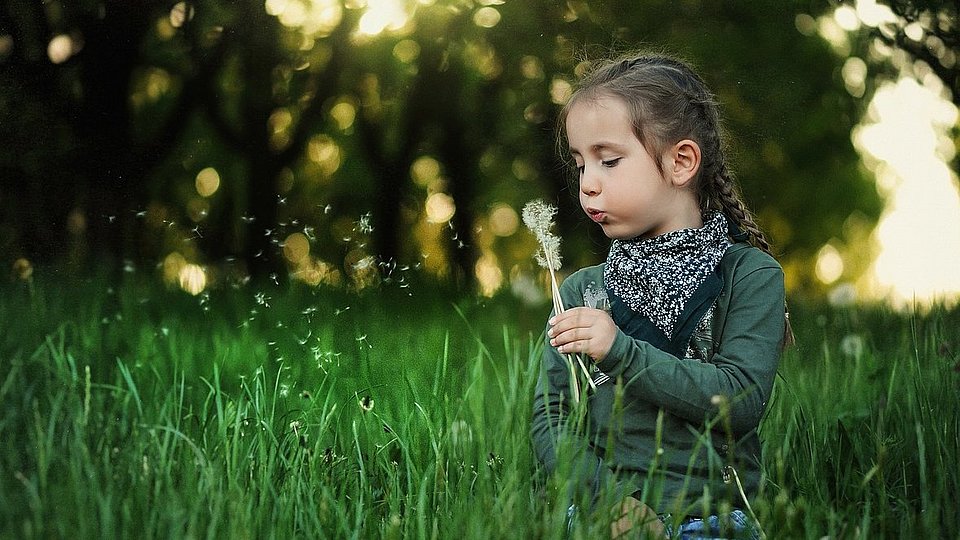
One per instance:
(596, 215)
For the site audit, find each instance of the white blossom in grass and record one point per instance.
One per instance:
(852, 346)
(366, 403)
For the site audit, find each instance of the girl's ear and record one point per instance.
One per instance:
(683, 162)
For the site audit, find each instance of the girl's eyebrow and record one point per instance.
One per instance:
(599, 147)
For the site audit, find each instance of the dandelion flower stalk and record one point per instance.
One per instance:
(538, 217)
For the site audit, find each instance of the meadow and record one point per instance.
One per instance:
(136, 411)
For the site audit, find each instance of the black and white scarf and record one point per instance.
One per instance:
(657, 276)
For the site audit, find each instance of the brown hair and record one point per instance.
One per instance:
(669, 102)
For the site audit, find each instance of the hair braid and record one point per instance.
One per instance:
(730, 201)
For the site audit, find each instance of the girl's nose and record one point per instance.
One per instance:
(589, 184)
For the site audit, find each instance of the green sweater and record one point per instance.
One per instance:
(618, 445)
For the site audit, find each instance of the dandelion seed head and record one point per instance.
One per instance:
(548, 256)
(538, 217)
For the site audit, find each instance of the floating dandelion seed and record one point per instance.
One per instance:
(538, 217)
(364, 224)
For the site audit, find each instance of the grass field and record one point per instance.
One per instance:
(136, 411)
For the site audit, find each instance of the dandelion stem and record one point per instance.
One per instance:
(538, 217)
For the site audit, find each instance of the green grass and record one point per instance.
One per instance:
(254, 413)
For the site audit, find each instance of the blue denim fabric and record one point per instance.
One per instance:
(709, 528)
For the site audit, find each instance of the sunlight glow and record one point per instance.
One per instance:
(383, 15)
(919, 233)
(315, 17)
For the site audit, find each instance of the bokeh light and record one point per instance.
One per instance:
(504, 220)
(296, 248)
(440, 208)
(326, 153)
(22, 269)
(6, 45)
(343, 113)
(488, 273)
(60, 48)
(382, 15)
(207, 182)
(829, 265)
(425, 170)
(486, 17)
(315, 18)
(180, 13)
(406, 51)
(193, 279)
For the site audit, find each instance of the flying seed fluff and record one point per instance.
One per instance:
(669, 102)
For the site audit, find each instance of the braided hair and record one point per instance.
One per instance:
(668, 102)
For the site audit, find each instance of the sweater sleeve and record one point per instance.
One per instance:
(553, 434)
(742, 369)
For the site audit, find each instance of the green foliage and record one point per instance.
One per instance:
(136, 411)
(252, 94)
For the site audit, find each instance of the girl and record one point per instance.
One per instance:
(682, 326)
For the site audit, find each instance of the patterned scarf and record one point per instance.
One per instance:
(657, 276)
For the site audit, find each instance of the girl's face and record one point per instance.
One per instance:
(621, 187)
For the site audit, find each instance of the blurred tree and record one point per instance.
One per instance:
(423, 116)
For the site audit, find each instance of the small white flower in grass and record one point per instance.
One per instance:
(852, 345)
(366, 403)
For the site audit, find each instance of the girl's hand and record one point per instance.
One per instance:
(583, 330)
(632, 517)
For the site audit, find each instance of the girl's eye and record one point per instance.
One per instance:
(609, 163)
